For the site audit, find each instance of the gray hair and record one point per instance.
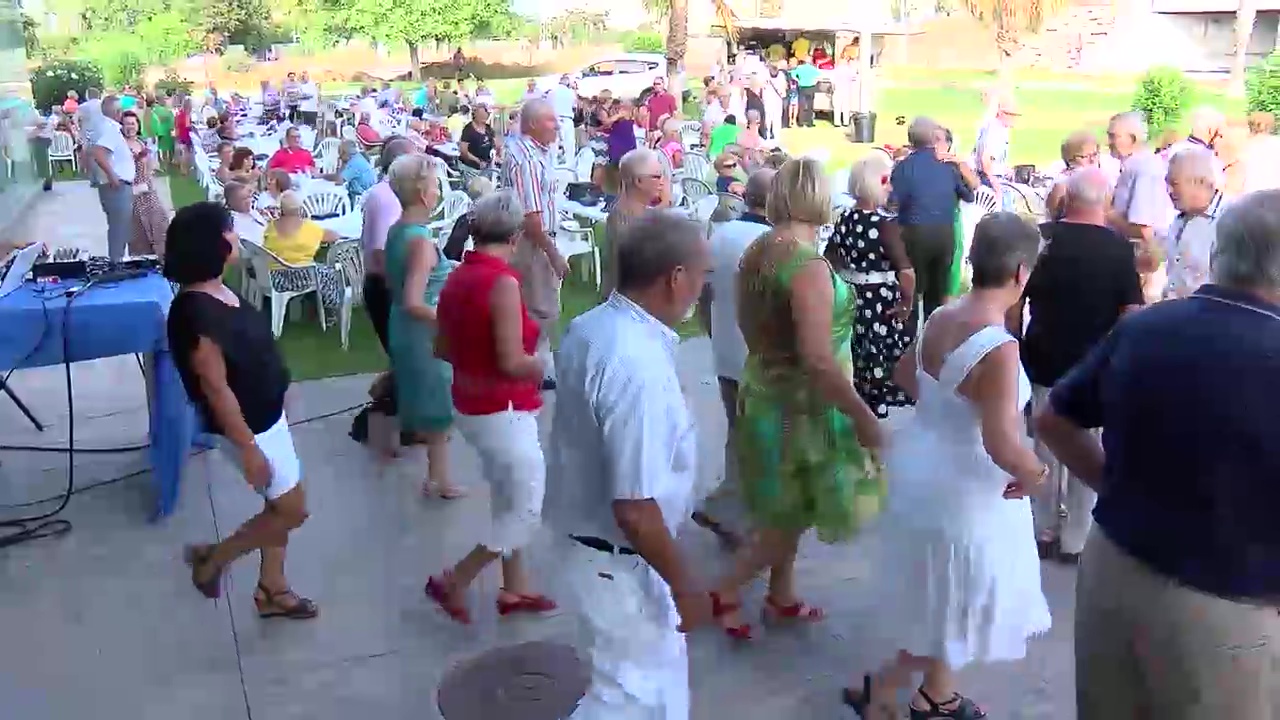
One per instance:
(1247, 252)
(1194, 163)
(531, 111)
(409, 176)
(392, 148)
(350, 147)
(110, 106)
(1132, 120)
(1002, 243)
(496, 217)
(1087, 187)
(233, 188)
(653, 245)
(633, 163)
(756, 193)
(866, 178)
(922, 133)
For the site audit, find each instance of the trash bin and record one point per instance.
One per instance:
(864, 127)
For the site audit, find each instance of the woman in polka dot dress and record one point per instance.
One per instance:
(866, 250)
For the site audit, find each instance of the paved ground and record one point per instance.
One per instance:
(103, 622)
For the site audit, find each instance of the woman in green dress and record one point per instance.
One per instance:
(161, 127)
(802, 432)
(415, 272)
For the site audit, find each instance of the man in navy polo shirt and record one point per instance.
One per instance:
(1176, 603)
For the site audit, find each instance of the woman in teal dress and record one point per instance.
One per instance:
(801, 430)
(416, 272)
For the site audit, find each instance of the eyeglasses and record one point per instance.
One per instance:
(1092, 157)
(730, 166)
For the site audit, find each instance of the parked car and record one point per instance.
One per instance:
(626, 75)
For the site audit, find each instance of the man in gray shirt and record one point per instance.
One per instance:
(1140, 206)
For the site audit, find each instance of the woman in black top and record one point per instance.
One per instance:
(476, 145)
(233, 373)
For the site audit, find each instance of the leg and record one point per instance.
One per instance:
(274, 597)
(438, 482)
(1046, 500)
(1075, 531)
(119, 221)
(937, 251)
(1109, 685)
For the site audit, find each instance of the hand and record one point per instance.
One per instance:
(559, 265)
(113, 181)
(870, 432)
(694, 609)
(257, 471)
(1023, 488)
(947, 157)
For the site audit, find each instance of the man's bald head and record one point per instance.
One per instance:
(756, 194)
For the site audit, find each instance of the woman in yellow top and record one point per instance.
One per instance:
(295, 239)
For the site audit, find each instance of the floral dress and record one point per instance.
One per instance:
(800, 463)
(879, 339)
(150, 218)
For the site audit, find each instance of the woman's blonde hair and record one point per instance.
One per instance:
(800, 193)
(671, 126)
(479, 187)
(291, 204)
(1075, 144)
(410, 175)
(867, 178)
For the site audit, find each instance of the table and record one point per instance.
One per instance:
(104, 321)
(350, 225)
(447, 148)
(594, 213)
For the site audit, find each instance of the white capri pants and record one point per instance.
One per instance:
(1062, 491)
(512, 463)
(639, 661)
(277, 444)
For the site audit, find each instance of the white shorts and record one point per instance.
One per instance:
(277, 444)
(512, 463)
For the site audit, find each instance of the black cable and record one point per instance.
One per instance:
(126, 476)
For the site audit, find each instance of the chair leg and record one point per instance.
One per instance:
(324, 326)
(344, 320)
(595, 259)
(279, 304)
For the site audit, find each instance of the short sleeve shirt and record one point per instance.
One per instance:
(527, 169)
(1141, 195)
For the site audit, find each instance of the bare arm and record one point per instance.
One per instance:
(1053, 203)
(464, 153)
(419, 265)
(102, 157)
(538, 236)
(508, 332)
(904, 373)
(642, 524)
(1076, 447)
(211, 370)
(811, 299)
(992, 386)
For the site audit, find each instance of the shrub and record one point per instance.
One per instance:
(51, 81)
(172, 84)
(122, 67)
(1163, 95)
(1262, 85)
(645, 42)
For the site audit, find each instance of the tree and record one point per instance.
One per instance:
(677, 14)
(30, 38)
(1246, 12)
(413, 22)
(1010, 18)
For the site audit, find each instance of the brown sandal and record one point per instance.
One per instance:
(301, 608)
(197, 558)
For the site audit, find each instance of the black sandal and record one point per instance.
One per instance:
(197, 558)
(964, 709)
(301, 609)
(859, 702)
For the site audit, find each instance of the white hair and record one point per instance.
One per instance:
(922, 133)
(866, 178)
(1133, 121)
(1247, 252)
(1194, 163)
(408, 175)
(1207, 118)
(497, 216)
(532, 111)
(633, 163)
(1087, 187)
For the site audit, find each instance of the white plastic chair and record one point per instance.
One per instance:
(690, 133)
(345, 255)
(696, 166)
(327, 155)
(453, 205)
(703, 208)
(573, 239)
(695, 189)
(326, 202)
(584, 163)
(564, 175)
(62, 148)
(348, 132)
(260, 262)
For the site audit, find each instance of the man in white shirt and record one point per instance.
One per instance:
(87, 117)
(308, 100)
(991, 150)
(623, 456)
(248, 222)
(719, 311)
(565, 100)
(531, 91)
(1188, 244)
(114, 163)
(715, 113)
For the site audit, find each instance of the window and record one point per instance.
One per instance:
(600, 69)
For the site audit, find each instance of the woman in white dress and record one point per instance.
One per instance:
(956, 566)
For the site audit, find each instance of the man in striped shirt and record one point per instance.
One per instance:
(527, 169)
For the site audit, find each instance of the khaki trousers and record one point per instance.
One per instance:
(1148, 648)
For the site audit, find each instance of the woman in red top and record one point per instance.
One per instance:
(182, 131)
(292, 158)
(484, 331)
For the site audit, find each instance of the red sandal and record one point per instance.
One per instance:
(438, 590)
(772, 611)
(720, 608)
(526, 604)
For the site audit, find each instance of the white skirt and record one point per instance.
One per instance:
(276, 443)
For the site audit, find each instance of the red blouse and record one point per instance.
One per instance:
(292, 161)
(465, 337)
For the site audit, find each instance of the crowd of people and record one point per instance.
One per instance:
(1140, 305)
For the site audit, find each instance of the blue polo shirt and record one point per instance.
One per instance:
(926, 190)
(1188, 395)
(806, 75)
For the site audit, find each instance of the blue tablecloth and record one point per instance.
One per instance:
(119, 318)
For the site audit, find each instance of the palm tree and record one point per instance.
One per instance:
(677, 14)
(1010, 18)
(1246, 11)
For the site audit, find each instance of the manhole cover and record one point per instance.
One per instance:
(531, 681)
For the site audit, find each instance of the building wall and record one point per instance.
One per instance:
(18, 177)
(1204, 42)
